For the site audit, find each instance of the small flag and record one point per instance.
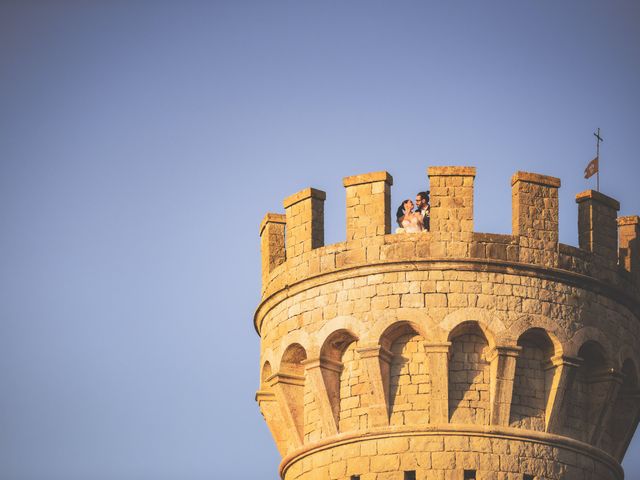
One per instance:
(592, 168)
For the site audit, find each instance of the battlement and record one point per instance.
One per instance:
(450, 354)
(293, 244)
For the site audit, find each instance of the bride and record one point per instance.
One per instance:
(409, 220)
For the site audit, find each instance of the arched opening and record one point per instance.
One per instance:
(291, 379)
(407, 378)
(532, 381)
(620, 426)
(271, 410)
(345, 381)
(265, 374)
(588, 392)
(468, 375)
(292, 360)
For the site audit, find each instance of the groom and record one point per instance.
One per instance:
(422, 206)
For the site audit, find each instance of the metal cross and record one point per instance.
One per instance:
(599, 139)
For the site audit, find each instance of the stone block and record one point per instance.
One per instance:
(371, 214)
(597, 225)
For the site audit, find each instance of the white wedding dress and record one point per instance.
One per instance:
(413, 224)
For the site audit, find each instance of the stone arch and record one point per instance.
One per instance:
(292, 361)
(626, 353)
(588, 394)
(469, 374)
(343, 376)
(342, 323)
(621, 425)
(265, 374)
(593, 354)
(421, 321)
(335, 344)
(533, 379)
(406, 380)
(552, 329)
(586, 334)
(299, 337)
(268, 357)
(489, 323)
(275, 412)
(398, 329)
(291, 383)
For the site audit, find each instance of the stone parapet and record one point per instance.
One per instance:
(368, 205)
(597, 225)
(417, 248)
(629, 236)
(534, 240)
(272, 243)
(304, 213)
(536, 179)
(451, 208)
(450, 353)
(368, 178)
(535, 208)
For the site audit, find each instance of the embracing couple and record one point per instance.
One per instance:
(414, 221)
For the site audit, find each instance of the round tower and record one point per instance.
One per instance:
(450, 354)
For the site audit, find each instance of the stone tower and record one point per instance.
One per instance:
(450, 354)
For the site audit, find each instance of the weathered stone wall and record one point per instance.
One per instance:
(409, 381)
(469, 379)
(304, 221)
(446, 456)
(532, 382)
(353, 392)
(512, 354)
(272, 243)
(368, 205)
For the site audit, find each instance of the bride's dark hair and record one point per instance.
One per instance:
(400, 211)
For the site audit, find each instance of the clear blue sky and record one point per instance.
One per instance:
(142, 142)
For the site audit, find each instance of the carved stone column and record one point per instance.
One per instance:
(564, 372)
(374, 358)
(503, 371)
(271, 412)
(438, 367)
(634, 399)
(316, 370)
(289, 392)
(613, 380)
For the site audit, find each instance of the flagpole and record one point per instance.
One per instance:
(598, 138)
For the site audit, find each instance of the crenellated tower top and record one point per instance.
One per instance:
(301, 253)
(450, 354)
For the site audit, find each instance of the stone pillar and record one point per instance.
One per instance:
(629, 237)
(620, 451)
(288, 392)
(368, 205)
(597, 228)
(438, 366)
(271, 412)
(373, 358)
(272, 243)
(304, 213)
(451, 210)
(564, 372)
(534, 200)
(324, 398)
(613, 380)
(503, 371)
